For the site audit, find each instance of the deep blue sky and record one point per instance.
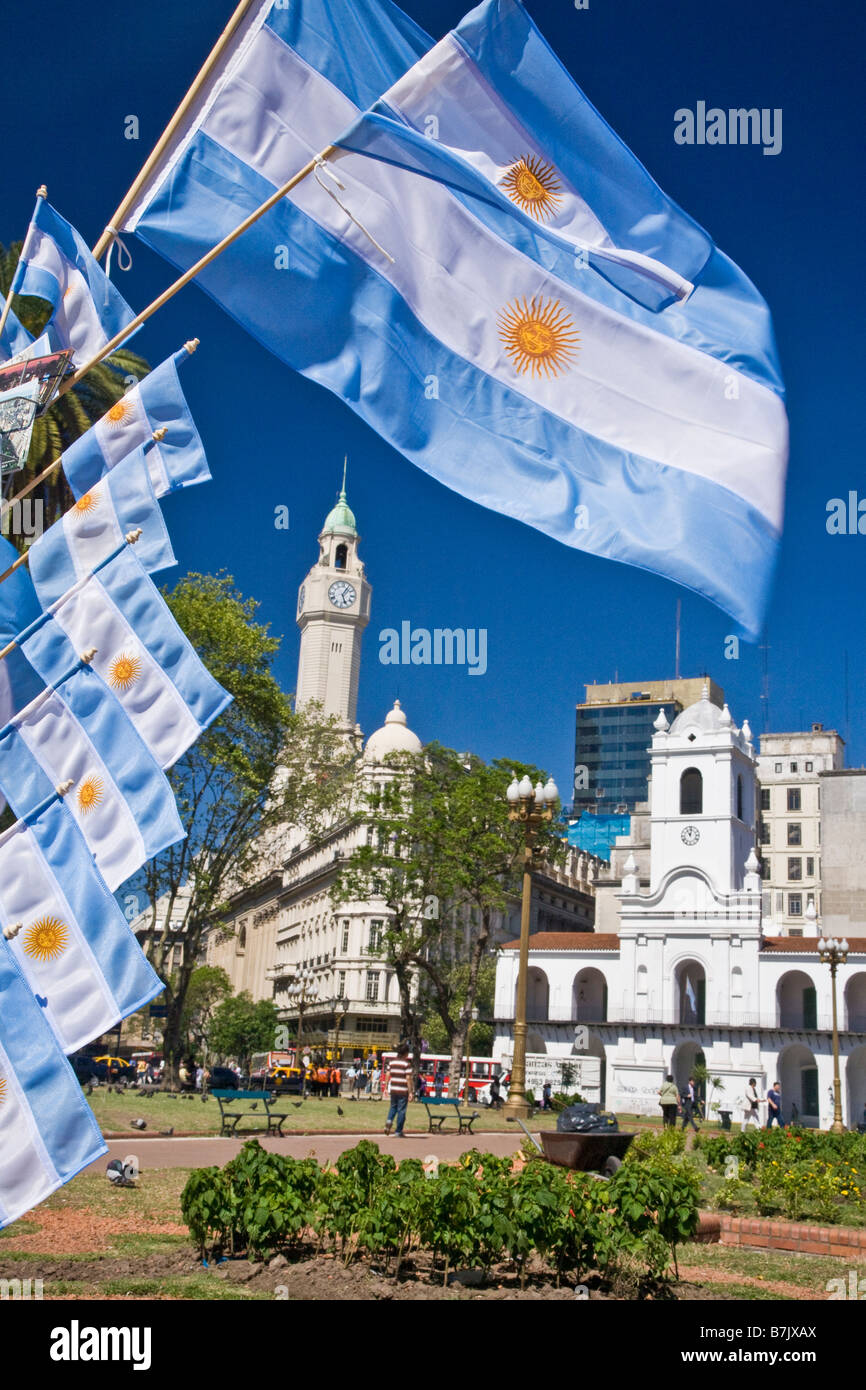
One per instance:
(555, 618)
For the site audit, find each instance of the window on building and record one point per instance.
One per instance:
(375, 937)
(341, 986)
(780, 902)
(795, 905)
(778, 767)
(809, 767)
(242, 938)
(345, 946)
(691, 793)
(765, 833)
(795, 767)
(739, 798)
(795, 833)
(765, 868)
(765, 798)
(793, 798)
(795, 869)
(340, 557)
(372, 986)
(810, 867)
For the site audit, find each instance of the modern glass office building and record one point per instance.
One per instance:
(614, 731)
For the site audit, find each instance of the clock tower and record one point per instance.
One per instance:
(333, 610)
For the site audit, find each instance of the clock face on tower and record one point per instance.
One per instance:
(301, 597)
(341, 594)
(690, 834)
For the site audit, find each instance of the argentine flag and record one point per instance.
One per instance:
(120, 799)
(96, 525)
(654, 437)
(48, 1132)
(14, 338)
(56, 265)
(19, 606)
(141, 654)
(68, 935)
(157, 402)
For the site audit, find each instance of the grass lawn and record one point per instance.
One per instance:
(114, 1113)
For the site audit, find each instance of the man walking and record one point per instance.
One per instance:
(751, 1102)
(400, 1072)
(774, 1106)
(688, 1100)
(669, 1102)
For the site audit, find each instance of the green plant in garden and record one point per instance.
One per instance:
(661, 1195)
(651, 1142)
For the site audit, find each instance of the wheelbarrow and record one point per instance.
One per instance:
(586, 1153)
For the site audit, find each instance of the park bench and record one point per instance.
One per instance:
(254, 1104)
(446, 1105)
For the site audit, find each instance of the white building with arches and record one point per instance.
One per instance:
(688, 977)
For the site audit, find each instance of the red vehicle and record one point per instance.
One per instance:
(480, 1072)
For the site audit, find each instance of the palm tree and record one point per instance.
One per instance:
(73, 413)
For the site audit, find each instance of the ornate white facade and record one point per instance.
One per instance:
(686, 974)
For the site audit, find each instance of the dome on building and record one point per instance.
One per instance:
(394, 737)
(703, 716)
(340, 520)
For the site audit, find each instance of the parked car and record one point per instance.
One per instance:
(118, 1070)
(88, 1070)
(224, 1079)
(284, 1080)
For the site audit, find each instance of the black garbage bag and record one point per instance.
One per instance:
(586, 1118)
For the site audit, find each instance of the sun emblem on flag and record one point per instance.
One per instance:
(89, 794)
(46, 939)
(86, 504)
(124, 671)
(2, 1089)
(118, 414)
(539, 336)
(532, 183)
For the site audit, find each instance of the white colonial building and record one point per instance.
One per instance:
(681, 972)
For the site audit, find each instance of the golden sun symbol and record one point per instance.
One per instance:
(538, 336)
(124, 671)
(2, 1090)
(118, 414)
(89, 794)
(86, 504)
(46, 939)
(532, 184)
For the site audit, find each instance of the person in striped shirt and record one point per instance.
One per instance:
(400, 1073)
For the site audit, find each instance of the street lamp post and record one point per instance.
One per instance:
(531, 808)
(835, 953)
(304, 990)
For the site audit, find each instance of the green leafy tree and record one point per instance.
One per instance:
(208, 986)
(445, 860)
(72, 413)
(260, 768)
(240, 1027)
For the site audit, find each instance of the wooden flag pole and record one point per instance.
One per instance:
(40, 477)
(200, 264)
(225, 38)
(130, 539)
(41, 193)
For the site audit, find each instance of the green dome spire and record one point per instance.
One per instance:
(340, 520)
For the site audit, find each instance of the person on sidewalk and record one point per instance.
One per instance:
(751, 1101)
(669, 1101)
(689, 1103)
(401, 1075)
(774, 1106)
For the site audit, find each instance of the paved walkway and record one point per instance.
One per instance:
(201, 1152)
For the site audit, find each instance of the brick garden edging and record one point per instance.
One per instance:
(766, 1234)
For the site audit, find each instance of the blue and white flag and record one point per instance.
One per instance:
(15, 337)
(66, 930)
(655, 439)
(120, 799)
(56, 265)
(141, 654)
(19, 607)
(48, 1132)
(157, 402)
(494, 93)
(121, 502)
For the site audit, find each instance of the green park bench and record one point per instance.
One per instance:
(447, 1106)
(231, 1112)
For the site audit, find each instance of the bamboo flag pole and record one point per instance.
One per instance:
(129, 539)
(40, 477)
(41, 195)
(225, 38)
(200, 264)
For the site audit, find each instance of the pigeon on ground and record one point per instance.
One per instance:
(297, 1104)
(138, 1124)
(168, 1131)
(340, 1110)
